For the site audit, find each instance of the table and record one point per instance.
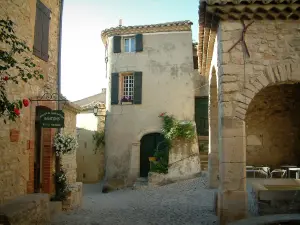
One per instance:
(288, 167)
(297, 171)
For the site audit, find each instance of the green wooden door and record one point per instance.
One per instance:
(149, 143)
(201, 116)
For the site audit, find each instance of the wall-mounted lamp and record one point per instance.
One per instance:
(97, 111)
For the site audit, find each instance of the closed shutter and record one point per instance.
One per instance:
(114, 88)
(139, 43)
(137, 99)
(42, 26)
(117, 44)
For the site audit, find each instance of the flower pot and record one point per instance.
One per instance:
(152, 159)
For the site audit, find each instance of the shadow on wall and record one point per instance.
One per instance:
(90, 165)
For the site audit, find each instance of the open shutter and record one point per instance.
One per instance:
(38, 31)
(139, 43)
(114, 88)
(46, 27)
(41, 37)
(117, 44)
(137, 99)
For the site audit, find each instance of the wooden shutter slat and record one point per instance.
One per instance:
(117, 44)
(114, 88)
(38, 32)
(45, 40)
(137, 99)
(139, 43)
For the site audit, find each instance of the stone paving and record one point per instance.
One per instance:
(186, 202)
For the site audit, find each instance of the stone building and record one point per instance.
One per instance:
(90, 163)
(150, 71)
(253, 91)
(27, 159)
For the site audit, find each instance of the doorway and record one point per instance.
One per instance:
(201, 116)
(38, 150)
(149, 143)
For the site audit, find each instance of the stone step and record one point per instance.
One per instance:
(141, 183)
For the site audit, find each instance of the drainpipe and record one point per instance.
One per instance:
(57, 159)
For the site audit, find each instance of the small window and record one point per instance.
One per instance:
(129, 44)
(127, 88)
(85, 144)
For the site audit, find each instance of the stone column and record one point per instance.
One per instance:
(213, 154)
(134, 166)
(232, 196)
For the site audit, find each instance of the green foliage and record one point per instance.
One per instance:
(14, 67)
(99, 140)
(174, 129)
(62, 189)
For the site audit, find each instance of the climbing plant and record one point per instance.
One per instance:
(98, 139)
(172, 129)
(15, 66)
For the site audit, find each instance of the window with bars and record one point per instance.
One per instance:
(128, 88)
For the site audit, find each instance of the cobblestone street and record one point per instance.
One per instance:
(187, 202)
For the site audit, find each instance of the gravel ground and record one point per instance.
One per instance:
(186, 202)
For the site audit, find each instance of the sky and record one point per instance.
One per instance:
(83, 67)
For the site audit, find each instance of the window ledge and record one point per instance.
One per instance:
(126, 103)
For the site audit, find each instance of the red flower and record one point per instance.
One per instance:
(17, 111)
(5, 78)
(162, 114)
(25, 102)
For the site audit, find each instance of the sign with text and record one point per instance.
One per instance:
(52, 119)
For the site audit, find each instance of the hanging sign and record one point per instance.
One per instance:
(52, 119)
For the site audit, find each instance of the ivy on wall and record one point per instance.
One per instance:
(172, 129)
(99, 140)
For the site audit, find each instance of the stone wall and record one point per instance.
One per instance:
(69, 160)
(17, 146)
(272, 126)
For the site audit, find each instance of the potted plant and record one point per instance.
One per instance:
(152, 159)
(126, 100)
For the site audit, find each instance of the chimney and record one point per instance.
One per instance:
(120, 22)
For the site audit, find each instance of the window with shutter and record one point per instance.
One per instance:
(41, 36)
(137, 99)
(139, 42)
(114, 88)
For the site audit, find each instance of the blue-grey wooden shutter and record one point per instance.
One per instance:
(114, 88)
(137, 98)
(117, 44)
(139, 43)
(42, 26)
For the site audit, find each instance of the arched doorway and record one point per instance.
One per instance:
(149, 143)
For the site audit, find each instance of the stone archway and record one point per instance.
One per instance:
(232, 195)
(213, 112)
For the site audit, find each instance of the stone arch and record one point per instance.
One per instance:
(145, 132)
(272, 75)
(213, 112)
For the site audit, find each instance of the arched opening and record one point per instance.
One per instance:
(273, 127)
(213, 111)
(38, 150)
(149, 143)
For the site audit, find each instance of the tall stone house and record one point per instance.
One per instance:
(249, 53)
(27, 158)
(90, 163)
(150, 71)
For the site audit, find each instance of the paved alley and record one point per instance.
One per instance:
(186, 202)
